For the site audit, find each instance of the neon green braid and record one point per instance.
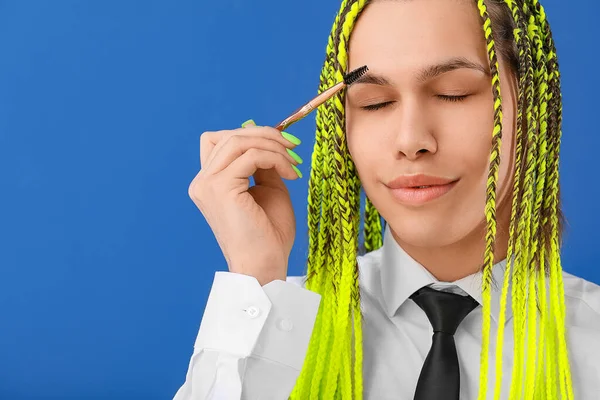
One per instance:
(333, 364)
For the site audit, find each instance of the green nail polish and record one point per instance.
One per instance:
(248, 122)
(297, 171)
(294, 156)
(291, 138)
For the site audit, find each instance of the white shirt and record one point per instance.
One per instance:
(253, 339)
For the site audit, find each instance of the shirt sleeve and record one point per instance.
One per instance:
(252, 340)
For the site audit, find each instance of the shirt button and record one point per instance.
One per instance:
(252, 311)
(286, 325)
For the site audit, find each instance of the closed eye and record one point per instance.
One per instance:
(373, 107)
(452, 98)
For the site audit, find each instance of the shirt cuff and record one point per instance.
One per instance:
(235, 313)
(274, 322)
(289, 325)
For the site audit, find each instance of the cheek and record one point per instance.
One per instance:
(364, 146)
(360, 151)
(465, 138)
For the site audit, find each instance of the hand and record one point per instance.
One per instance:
(254, 226)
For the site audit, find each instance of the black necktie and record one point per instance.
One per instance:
(440, 376)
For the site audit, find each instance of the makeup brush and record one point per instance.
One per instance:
(321, 98)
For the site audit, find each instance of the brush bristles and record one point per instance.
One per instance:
(352, 76)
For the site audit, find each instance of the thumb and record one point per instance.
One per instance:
(266, 177)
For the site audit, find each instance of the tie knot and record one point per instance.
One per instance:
(444, 310)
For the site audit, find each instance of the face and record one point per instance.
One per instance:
(419, 127)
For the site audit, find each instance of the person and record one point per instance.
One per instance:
(454, 136)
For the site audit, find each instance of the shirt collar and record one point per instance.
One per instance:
(401, 276)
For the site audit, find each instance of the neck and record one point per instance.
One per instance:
(463, 258)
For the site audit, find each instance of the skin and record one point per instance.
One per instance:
(418, 131)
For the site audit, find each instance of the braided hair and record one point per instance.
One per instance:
(519, 31)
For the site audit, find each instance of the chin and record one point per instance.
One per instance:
(426, 230)
(424, 238)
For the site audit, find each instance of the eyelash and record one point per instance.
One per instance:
(378, 106)
(452, 98)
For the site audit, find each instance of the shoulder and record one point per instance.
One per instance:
(582, 299)
(582, 305)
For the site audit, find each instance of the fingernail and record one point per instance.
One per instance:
(294, 156)
(297, 171)
(250, 121)
(291, 138)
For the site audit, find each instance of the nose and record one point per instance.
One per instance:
(414, 136)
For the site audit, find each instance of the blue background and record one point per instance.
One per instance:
(105, 262)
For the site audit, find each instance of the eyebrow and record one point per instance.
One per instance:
(427, 73)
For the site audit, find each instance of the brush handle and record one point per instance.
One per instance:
(295, 117)
(310, 106)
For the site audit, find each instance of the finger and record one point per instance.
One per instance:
(208, 141)
(251, 130)
(250, 122)
(233, 147)
(255, 160)
(270, 177)
(212, 141)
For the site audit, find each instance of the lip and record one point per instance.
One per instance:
(406, 189)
